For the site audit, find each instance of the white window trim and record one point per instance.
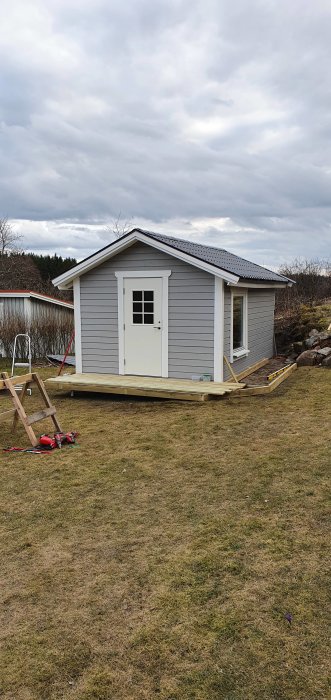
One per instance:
(164, 275)
(236, 354)
(78, 326)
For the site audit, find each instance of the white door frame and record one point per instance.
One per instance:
(164, 275)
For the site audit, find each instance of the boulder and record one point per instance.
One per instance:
(313, 332)
(325, 352)
(325, 340)
(327, 362)
(311, 341)
(308, 358)
(298, 347)
(322, 339)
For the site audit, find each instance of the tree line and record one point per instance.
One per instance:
(312, 284)
(21, 270)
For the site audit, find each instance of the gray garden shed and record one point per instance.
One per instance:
(152, 305)
(26, 311)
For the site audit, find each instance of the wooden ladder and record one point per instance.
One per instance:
(18, 412)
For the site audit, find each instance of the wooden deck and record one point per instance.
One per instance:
(182, 389)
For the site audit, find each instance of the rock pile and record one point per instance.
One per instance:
(315, 350)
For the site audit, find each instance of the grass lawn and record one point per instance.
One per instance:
(156, 560)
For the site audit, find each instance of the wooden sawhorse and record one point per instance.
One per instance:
(8, 384)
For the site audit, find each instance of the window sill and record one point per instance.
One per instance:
(238, 354)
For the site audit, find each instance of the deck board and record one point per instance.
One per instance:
(156, 387)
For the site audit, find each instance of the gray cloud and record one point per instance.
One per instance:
(210, 120)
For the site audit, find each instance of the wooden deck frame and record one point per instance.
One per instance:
(157, 387)
(18, 412)
(154, 387)
(249, 370)
(267, 388)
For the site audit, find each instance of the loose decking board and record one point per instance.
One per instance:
(156, 387)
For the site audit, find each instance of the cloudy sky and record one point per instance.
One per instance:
(206, 119)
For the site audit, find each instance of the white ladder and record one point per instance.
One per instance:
(28, 364)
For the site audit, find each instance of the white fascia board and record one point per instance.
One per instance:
(263, 285)
(12, 295)
(67, 278)
(57, 302)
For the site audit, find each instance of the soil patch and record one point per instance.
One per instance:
(260, 377)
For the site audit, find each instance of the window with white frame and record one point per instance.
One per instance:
(239, 341)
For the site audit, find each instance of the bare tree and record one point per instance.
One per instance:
(118, 227)
(312, 284)
(8, 237)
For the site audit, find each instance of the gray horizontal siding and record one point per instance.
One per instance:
(191, 313)
(261, 306)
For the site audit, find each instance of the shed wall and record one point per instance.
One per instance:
(191, 313)
(261, 307)
(27, 311)
(42, 309)
(13, 306)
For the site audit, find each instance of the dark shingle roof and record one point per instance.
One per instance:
(219, 258)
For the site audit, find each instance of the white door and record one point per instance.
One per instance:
(143, 326)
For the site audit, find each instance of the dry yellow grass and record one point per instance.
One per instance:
(158, 557)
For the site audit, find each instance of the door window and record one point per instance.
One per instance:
(143, 307)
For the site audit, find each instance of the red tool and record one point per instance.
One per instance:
(66, 353)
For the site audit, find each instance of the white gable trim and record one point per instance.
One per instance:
(65, 280)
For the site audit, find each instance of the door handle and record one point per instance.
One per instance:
(157, 328)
